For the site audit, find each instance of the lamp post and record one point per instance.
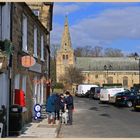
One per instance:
(107, 68)
(138, 58)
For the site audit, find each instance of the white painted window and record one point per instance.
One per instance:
(35, 41)
(35, 91)
(24, 84)
(42, 48)
(42, 93)
(38, 94)
(24, 34)
(17, 81)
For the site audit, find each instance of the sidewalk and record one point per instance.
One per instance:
(41, 130)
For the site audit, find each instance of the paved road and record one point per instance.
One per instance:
(94, 120)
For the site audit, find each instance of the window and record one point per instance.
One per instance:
(63, 57)
(66, 56)
(36, 12)
(24, 33)
(125, 81)
(17, 81)
(42, 48)
(35, 41)
(96, 76)
(110, 80)
(24, 84)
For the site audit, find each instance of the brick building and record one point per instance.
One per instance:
(29, 37)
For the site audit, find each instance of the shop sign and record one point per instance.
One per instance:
(27, 61)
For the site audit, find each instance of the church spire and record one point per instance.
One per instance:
(66, 40)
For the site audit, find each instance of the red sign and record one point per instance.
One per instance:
(27, 61)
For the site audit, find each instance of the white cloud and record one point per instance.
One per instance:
(65, 9)
(110, 25)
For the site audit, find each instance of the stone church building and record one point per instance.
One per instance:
(96, 70)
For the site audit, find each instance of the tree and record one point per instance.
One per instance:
(111, 52)
(72, 76)
(54, 48)
(97, 51)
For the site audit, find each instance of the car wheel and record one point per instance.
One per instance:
(129, 103)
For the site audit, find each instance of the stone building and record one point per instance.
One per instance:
(123, 70)
(29, 37)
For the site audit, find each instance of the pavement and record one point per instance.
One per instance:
(41, 129)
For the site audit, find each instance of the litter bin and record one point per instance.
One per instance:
(15, 120)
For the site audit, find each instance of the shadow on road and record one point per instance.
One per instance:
(105, 115)
(94, 108)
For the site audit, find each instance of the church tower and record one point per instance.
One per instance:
(65, 55)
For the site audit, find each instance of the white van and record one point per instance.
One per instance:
(106, 94)
(83, 88)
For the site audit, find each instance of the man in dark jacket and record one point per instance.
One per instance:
(50, 108)
(70, 107)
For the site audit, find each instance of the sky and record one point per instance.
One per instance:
(109, 25)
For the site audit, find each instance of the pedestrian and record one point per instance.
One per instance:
(70, 107)
(57, 107)
(50, 108)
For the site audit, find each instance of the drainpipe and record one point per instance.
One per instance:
(10, 69)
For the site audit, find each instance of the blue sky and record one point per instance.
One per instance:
(115, 25)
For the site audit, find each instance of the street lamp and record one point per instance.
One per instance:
(138, 58)
(107, 68)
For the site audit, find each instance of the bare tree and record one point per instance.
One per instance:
(97, 51)
(72, 75)
(111, 52)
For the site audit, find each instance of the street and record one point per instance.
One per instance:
(95, 120)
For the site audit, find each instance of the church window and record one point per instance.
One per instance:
(66, 56)
(110, 80)
(125, 81)
(63, 57)
(96, 76)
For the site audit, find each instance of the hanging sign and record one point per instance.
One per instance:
(27, 61)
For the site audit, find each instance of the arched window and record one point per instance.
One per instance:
(63, 57)
(110, 80)
(125, 81)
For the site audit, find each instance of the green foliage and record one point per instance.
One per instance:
(59, 86)
(6, 47)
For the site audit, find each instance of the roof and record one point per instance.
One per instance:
(98, 63)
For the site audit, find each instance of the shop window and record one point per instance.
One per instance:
(24, 84)
(17, 81)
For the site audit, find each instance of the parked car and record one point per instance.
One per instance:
(125, 98)
(107, 93)
(137, 103)
(94, 92)
(83, 88)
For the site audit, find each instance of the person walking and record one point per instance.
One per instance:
(70, 107)
(50, 108)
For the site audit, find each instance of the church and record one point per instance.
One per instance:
(96, 70)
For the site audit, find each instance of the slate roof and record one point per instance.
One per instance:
(98, 63)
